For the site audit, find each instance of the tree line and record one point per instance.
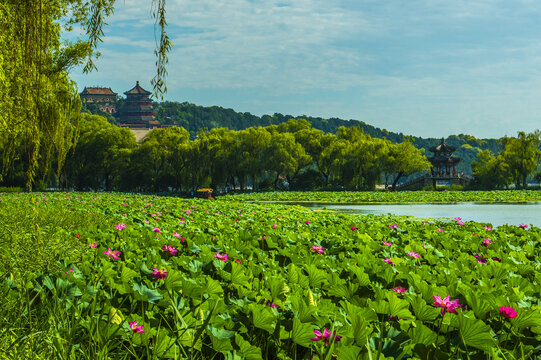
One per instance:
(292, 155)
(518, 160)
(195, 117)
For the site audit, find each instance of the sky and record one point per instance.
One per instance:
(429, 68)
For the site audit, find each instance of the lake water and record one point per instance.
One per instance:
(496, 214)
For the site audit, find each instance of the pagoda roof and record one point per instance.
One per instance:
(97, 91)
(137, 89)
(443, 147)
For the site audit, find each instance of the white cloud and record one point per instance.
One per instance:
(404, 66)
(244, 44)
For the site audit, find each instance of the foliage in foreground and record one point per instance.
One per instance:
(169, 278)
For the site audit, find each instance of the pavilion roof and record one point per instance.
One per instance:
(137, 89)
(97, 91)
(443, 147)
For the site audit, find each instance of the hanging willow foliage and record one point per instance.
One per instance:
(101, 9)
(39, 103)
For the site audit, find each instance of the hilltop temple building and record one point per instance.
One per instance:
(104, 97)
(137, 111)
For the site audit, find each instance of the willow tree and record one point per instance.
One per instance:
(522, 154)
(401, 160)
(39, 103)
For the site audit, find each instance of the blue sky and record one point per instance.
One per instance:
(429, 68)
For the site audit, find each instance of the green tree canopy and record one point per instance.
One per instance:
(522, 155)
(403, 159)
(101, 154)
(284, 156)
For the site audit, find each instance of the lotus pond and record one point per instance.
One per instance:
(114, 276)
(356, 197)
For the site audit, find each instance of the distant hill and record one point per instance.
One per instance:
(194, 117)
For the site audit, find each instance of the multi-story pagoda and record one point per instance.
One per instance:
(443, 162)
(137, 111)
(105, 98)
(443, 169)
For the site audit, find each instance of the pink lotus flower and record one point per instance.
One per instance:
(176, 234)
(400, 290)
(318, 249)
(113, 254)
(159, 274)
(440, 230)
(157, 230)
(146, 221)
(170, 249)
(508, 312)
(70, 271)
(524, 226)
(268, 303)
(487, 228)
(387, 243)
(274, 226)
(238, 261)
(389, 261)
(393, 226)
(481, 259)
(125, 215)
(120, 226)
(135, 328)
(307, 222)
(457, 218)
(486, 242)
(326, 335)
(95, 244)
(220, 257)
(413, 254)
(446, 304)
(460, 223)
(353, 228)
(425, 223)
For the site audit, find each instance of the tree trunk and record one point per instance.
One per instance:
(400, 174)
(276, 181)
